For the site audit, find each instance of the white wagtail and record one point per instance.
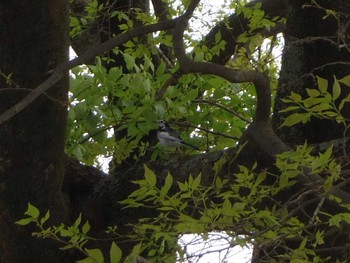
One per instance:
(169, 137)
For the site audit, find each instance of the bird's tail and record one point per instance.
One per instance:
(190, 145)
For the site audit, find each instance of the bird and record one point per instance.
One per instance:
(169, 137)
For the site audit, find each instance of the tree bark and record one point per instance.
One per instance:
(313, 48)
(32, 142)
(34, 40)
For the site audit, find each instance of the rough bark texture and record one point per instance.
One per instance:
(263, 143)
(34, 40)
(311, 43)
(31, 143)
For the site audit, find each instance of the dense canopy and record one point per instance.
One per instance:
(259, 87)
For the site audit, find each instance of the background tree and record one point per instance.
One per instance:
(35, 39)
(291, 205)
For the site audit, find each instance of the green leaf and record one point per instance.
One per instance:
(345, 80)
(161, 69)
(295, 118)
(322, 84)
(309, 102)
(150, 177)
(196, 181)
(313, 92)
(336, 89)
(136, 250)
(217, 37)
(115, 253)
(24, 221)
(261, 177)
(66, 232)
(191, 95)
(336, 219)
(85, 228)
(290, 108)
(69, 246)
(129, 60)
(77, 221)
(327, 154)
(95, 254)
(45, 218)
(166, 208)
(32, 211)
(295, 97)
(167, 185)
(319, 237)
(343, 101)
(226, 205)
(238, 206)
(320, 107)
(86, 260)
(183, 186)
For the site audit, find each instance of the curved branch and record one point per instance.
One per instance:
(260, 131)
(259, 79)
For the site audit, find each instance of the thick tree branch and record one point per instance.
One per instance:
(62, 69)
(259, 79)
(261, 130)
(235, 25)
(160, 9)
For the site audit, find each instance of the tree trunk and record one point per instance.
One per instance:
(34, 40)
(313, 47)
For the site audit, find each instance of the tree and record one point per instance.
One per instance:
(255, 177)
(35, 39)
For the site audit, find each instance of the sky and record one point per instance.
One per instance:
(199, 246)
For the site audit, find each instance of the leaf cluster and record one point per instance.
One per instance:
(245, 209)
(103, 102)
(320, 103)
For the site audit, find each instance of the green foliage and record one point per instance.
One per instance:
(127, 100)
(92, 115)
(80, 23)
(101, 100)
(71, 237)
(302, 161)
(244, 209)
(192, 208)
(320, 103)
(256, 17)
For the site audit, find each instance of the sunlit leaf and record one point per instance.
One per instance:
(45, 218)
(24, 221)
(322, 84)
(336, 89)
(167, 185)
(150, 176)
(32, 211)
(96, 255)
(115, 253)
(295, 118)
(85, 228)
(345, 80)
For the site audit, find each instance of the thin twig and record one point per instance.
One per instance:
(214, 103)
(90, 136)
(204, 129)
(61, 102)
(317, 210)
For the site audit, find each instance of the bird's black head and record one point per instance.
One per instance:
(163, 125)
